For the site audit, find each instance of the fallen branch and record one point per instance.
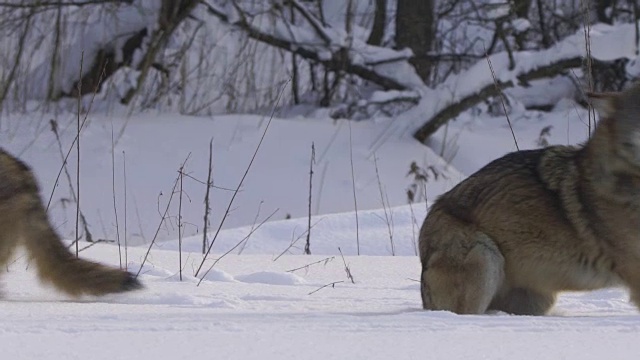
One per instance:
(456, 108)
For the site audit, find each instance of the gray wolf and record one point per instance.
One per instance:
(534, 223)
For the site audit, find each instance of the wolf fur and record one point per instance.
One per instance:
(534, 223)
(23, 221)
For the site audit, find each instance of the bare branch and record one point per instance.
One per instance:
(315, 23)
(314, 52)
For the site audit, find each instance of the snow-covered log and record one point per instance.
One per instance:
(462, 91)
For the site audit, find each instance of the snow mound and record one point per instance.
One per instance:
(218, 275)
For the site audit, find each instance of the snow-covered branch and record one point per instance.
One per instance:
(313, 21)
(105, 43)
(385, 67)
(464, 90)
(130, 35)
(469, 100)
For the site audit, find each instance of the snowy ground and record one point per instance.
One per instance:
(252, 307)
(155, 145)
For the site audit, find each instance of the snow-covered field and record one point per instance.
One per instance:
(266, 300)
(254, 307)
(154, 145)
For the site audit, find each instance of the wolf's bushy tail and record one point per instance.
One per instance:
(58, 266)
(23, 220)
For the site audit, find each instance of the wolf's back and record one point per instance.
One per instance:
(506, 184)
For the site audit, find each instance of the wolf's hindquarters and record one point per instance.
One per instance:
(59, 266)
(464, 277)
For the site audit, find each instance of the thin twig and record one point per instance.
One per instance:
(78, 157)
(253, 226)
(636, 24)
(207, 207)
(189, 176)
(323, 176)
(353, 186)
(586, 11)
(113, 193)
(384, 206)
(346, 267)
(237, 245)
(306, 267)
(414, 223)
(502, 101)
(180, 221)
(95, 243)
(66, 157)
(124, 176)
(293, 242)
(162, 219)
(54, 129)
(307, 246)
(333, 284)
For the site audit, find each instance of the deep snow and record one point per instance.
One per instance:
(154, 146)
(256, 308)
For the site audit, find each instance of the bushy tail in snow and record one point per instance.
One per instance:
(23, 219)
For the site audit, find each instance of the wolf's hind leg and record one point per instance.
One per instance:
(520, 301)
(464, 277)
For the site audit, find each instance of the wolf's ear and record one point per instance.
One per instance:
(604, 103)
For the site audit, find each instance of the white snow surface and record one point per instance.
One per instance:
(260, 308)
(154, 145)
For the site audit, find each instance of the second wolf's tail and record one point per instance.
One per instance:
(58, 266)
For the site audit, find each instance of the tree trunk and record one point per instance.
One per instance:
(103, 65)
(521, 10)
(379, 21)
(546, 38)
(415, 29)
(601, 10)
(172, 13)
